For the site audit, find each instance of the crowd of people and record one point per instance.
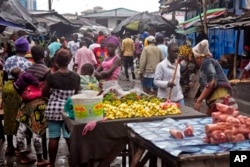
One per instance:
(63, 69)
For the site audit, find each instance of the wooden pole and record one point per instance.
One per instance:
(173, 16)
(204, 5)
(236, 53)
(50, 4)
(175, 71)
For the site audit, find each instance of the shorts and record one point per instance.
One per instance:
(148, 83)
(56, 128)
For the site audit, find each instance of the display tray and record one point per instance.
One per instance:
(157, 133)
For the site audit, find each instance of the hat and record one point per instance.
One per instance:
(151, 39)
(22, 44)
(201, 49)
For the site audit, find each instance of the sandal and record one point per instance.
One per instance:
(42, 163)
(10, 151)
(27, 161)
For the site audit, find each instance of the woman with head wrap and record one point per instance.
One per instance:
(110, 66)
(11, 99)
(213, 82)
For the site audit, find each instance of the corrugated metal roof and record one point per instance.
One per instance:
(168, 6)
(118, 12)
(229, 22)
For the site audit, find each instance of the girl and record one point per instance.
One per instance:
(58, 87)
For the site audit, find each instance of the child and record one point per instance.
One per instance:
(57, 88)
(23, 79)
(88, 81)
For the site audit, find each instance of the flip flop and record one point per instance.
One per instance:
(42, 163)
(27, 161)
(10, 151)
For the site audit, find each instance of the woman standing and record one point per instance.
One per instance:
(110, 67)
(213, 81)
(11, 99)
(31, 114)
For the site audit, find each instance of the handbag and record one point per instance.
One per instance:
(32, 92)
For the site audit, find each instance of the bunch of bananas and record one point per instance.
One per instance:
(185, 50)
(138, 106)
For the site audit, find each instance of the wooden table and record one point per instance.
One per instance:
(143, 148)
(108, 139)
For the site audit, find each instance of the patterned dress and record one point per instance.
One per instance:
(62, 86)
(11, 99)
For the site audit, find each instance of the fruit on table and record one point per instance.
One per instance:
(132, 105)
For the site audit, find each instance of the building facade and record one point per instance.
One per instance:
(29, 4)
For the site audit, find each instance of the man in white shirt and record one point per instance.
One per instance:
(73, 46)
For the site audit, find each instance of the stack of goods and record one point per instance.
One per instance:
(186, 51)
(187, 132)
(228, 126)
(133, 105)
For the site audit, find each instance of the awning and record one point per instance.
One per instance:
(212, 13)
(187, 31)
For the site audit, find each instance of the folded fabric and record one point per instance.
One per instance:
(68, 108)
(90, 126)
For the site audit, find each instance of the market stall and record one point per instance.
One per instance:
(153, 139)
(240, 93)
(108, 139)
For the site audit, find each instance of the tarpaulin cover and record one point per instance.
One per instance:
(212, 13)
(142, 22)
(157, 132)
(12, 11)
(6, 24)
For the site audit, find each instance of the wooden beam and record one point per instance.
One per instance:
(236, 53)
(204, 5)
(50, 5)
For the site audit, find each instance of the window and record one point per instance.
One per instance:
(103, 22)
(118, 22)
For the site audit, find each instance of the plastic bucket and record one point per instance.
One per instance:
(87, 106)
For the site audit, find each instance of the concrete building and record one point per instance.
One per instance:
(110, 18)
(29, 4)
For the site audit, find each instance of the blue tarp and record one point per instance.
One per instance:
(222, 41)
(157, 133)
(9, 24)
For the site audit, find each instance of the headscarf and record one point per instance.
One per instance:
(113, 39)
(201, 49)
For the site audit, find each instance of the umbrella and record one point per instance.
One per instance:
(141, 22)
(13, 14)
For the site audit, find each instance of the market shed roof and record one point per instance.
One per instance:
(118, 12)
(178, 5)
